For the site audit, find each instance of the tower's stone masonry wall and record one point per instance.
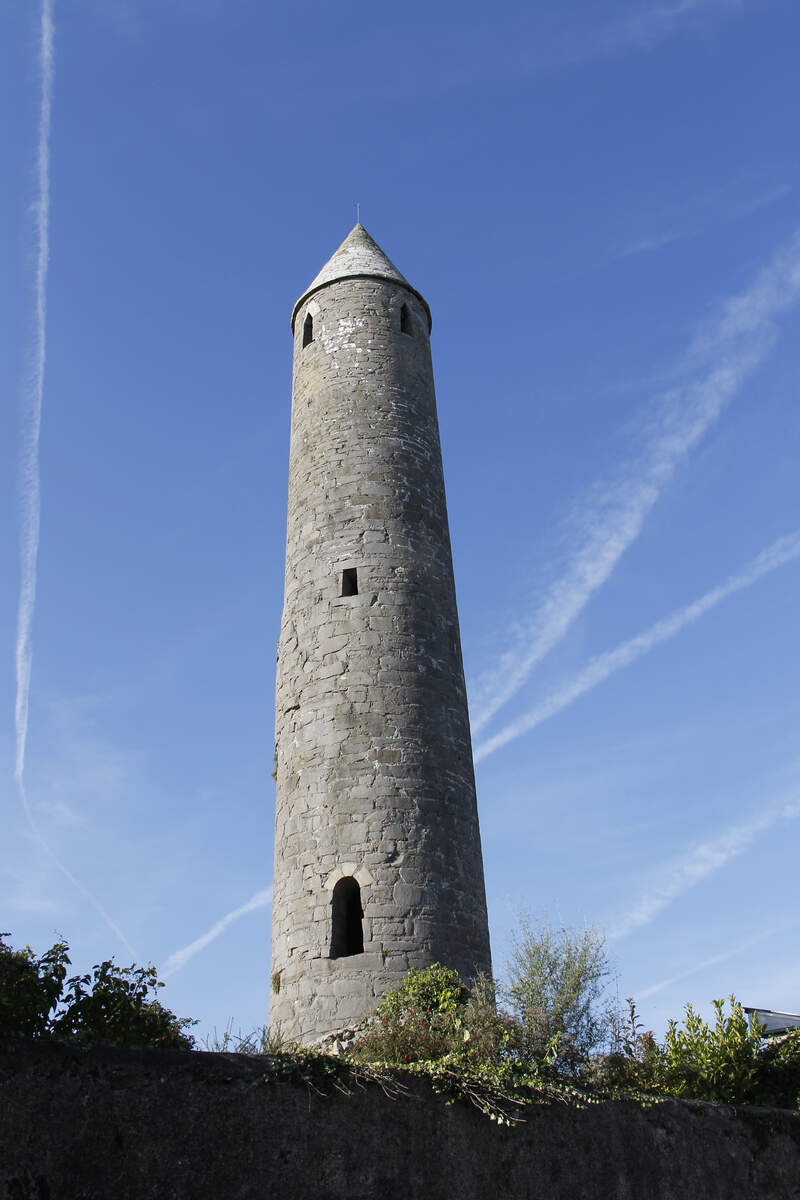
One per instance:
(374, 770)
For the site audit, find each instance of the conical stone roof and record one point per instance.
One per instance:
(358, 257)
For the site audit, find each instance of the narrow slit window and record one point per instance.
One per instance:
(349, 581)
(308, 330)
(405, 321)
(347, 930)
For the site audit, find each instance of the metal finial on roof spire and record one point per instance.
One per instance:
(358, 213)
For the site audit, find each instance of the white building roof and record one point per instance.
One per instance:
(774, 1022)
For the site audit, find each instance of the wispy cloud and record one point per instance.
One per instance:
(28, 889)
(134, 19)
(29, 486)
(699, 214)
(727, 348)
(644, 993)
(784, 550)
(181, 957)
(698, 863)
(578, 34)
(645, 27)
(657, 241)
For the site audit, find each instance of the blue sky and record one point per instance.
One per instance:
(600, 203)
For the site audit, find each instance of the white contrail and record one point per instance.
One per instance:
(721, 356)
(708, 962)
(181, 957)
(640, 30)
(700, 862)
(785, 550)
(652, 24)
(29, 484)
(32, 417)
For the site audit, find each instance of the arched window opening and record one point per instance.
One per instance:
(308, 330)
(347, 931)
(405, 321)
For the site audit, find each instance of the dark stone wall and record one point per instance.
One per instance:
(169, 1125)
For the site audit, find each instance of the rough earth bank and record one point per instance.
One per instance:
(134, 1124)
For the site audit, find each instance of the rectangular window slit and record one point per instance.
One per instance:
(349, 581)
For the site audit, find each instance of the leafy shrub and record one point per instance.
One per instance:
(110, 1004)
(778, 1080)
(430, 1016)
(404, 1038)
(635, 1060)
(434, 989)
(556, 985)
(729, 1062)
(30, 987)
(705, 1063)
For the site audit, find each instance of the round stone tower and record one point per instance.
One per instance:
(378, 862)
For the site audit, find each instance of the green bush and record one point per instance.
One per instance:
(432, 1015)
(113, 1005)
(434, 989)
(635, 1061)
(729, 1062)
(778, 1079)
(30, 988)
(718, 1063)
(557, 979)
